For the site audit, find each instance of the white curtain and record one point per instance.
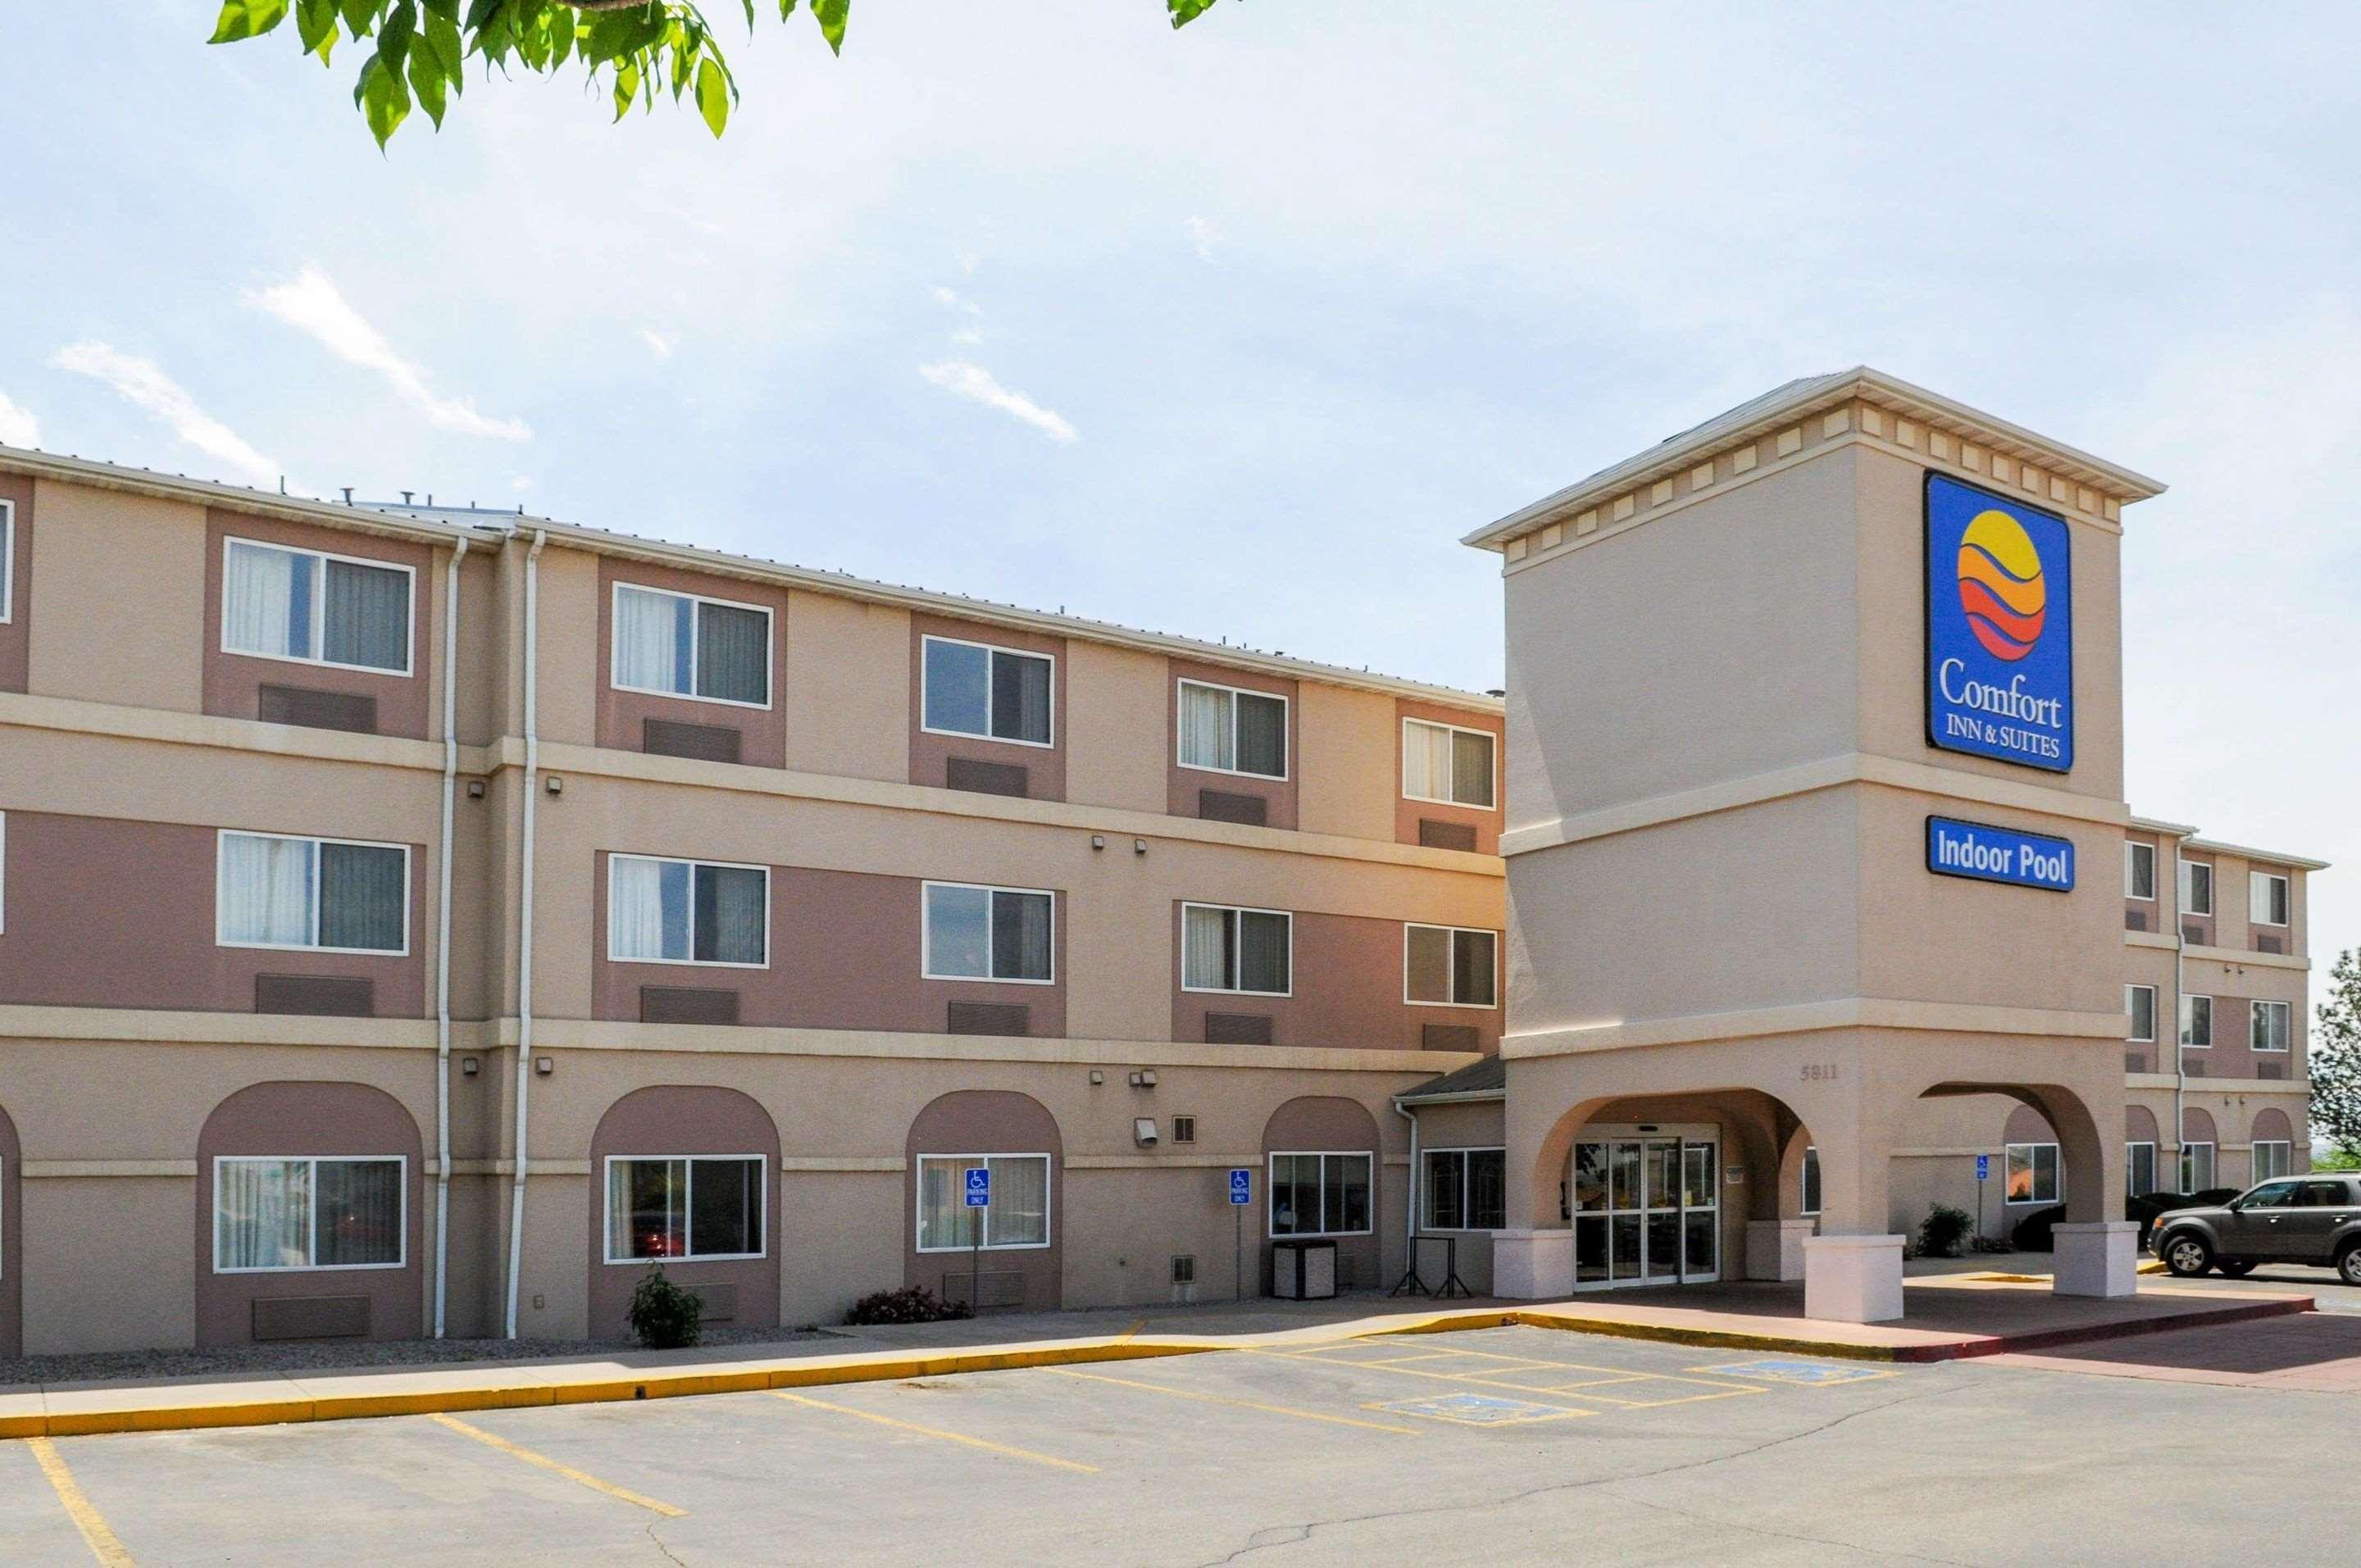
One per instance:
(262, 1213)
(944, 1218)
(266, 889)
(1020, 1201)
(1426, 762)
(1205, 728)
(653, 635)
(1206, 948)
(266, 598)
(647, 908)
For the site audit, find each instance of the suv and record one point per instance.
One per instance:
(2311, 1220)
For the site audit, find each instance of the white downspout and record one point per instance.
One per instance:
(524, 916)
(2179, 1049)
(442, 943)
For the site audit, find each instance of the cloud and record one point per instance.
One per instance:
(658, 344)
(312, 303)
(972, 381)
(142, 382)
(955, 299)
(18, 426)
(970, 336)
(1202, 233)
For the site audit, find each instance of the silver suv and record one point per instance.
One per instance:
(2313, 1220)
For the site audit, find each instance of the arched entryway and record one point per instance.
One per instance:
(1322, 1168)
(1020, 1265)
(685, 1175)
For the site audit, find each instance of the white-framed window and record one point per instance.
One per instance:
(687, 645)
(2197, 1022)
(1017, 1218)
(992, 693)
(2197, 887)
(8, 561)
(684, 1206)
(2139, 1000)
(2271, 1023)
(2139, 871)
(1810, 1196)
(687, 912)
(989, 933)
(2196, 1167)
(1466, 1189)
(2267, 899)
(277, 1214)
(2139, 1169)
(308, 607)
(341, 895)
(1248, 951)
(1450, 966)
(1319, 1193)
(1449, 764)
(2032, 1174)
(1229, 729)
(2273, 1156)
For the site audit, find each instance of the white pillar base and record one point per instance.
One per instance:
(2100, 1258)
(1774, 1249)
(1533, 1265)
(1852, 1279)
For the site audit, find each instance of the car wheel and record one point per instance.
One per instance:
(2348, 1264)
(2187, 1255)
(2237, 1270)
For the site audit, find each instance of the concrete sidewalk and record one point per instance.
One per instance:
(1947, 1317)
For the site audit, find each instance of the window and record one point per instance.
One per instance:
(995, 694)
(314, 608)
(987, 933)
(2270, 1020)
(2267, 899)
(1811, 1195)
(1445, 764)
(1319, 1194)
(686, 645)
(2139, 871)
(683, 1206)
(687, 912)
(2196, 1167)
(2139, 1170)
(1017, 1216)
(1466, 1189)
(7, 559)
(2197, 1022)
(1444, 966)
(2032, 1173)
(272, 890)
(2139, 1000)
(2196, 887)
(1225, 731)
(278, 1214)
(1250, 951)
(2324, 1194)
(1184, 1129)
(2276, 1157)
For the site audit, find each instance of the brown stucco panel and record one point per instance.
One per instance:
(1407, 812)
(622, 715)
(1045, 766)
(1182, 785)
(12, 1245)
(1348, 991)
(1317, 1123)
(988, 1122)
(16, 614)
(675, 1119)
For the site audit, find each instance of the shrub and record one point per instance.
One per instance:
(663, 1315)
(911, 1304)
(1944, 1228)
(2032, 1233)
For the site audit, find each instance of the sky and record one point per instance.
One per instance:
(1234, 331)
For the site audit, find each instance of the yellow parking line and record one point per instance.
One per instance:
(938, 1433)
(578, 1477)
(1239, 1404)
(89, 1520)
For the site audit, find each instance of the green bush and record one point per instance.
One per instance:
(1944, 1228)
(663, 1315)
(911, 1304)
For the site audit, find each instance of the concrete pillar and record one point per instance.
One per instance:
(1774, 1249)
(1852, 1279)
(2098, 1258)
(1533, 1265)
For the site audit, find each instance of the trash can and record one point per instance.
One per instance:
(1303, 1270)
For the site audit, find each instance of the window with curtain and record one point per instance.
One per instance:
(1466, 1189)
(273, 1213)
(2139, 871)
(319, 609)
(1445, 763)
(1319, 1194)
(2139, 1170)
(1448, 967)
(2276, 1158)
(1017, 1216)
(988, 932)
(2032, 1174)
(2196, 887)
(2197, 1021)
(1226, 730)
(995, 694)
(1244, 950)
(2139, 1000)
(2196, 1167)
(677, 644)
(687, 912)
(2271, 1020)
(277, 892)
(683, 1206)
(2267, 899)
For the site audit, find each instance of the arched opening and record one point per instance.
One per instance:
(685, 1175)
(1321, 1164)
(2143, 1152)
(1009, 1254)
(2273, 1142)
(2200, 1153)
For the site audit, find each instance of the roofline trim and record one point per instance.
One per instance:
(2245, 851)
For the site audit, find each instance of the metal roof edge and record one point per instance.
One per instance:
(2271, 857)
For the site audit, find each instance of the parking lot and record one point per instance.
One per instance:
(1515, 1444)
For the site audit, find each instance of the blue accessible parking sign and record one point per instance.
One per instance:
(1241, 1185)
(979, 1186)
(1983, 1167)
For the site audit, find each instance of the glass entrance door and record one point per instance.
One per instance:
(1646, 1211)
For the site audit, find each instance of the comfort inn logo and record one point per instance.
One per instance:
(2000, 644)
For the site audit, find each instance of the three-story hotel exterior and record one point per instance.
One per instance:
(756, 904)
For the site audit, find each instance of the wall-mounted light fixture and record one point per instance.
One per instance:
(1097, 1077)
(553, 785)
(469, 1066)
(1139, 846)
(1143, 1078)
(1098, 840)
(545, 1065)
(475, 789)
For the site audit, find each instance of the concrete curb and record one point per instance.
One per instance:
(494, 1393)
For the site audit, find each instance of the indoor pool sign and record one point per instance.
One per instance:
(2000, 627)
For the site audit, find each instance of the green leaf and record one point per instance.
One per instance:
(1187, 11)
(246, 19)
(315, 23)
(383, 99)
(627, 87)
(360, 16)
(443, 37)
(712, 95)
(393, 35)
(426, 81)
(830, 14)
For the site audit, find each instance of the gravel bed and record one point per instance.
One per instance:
(330, 1355)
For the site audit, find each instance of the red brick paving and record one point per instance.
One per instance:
(2316, 1352)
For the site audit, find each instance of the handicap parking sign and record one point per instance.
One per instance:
(1983, 1167)
(979, 1186)
(1241, 1185)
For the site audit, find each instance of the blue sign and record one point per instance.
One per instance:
(1983, 1167)
(1241, 1185)
(979, 1187)
(1999, 854)
(2000, 627)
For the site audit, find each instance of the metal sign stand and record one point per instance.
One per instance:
(1241, 1194)
(979, 1197)
(1984, 1174)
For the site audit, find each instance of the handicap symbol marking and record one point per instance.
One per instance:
(1242, 1186)
(1476, 1410)
(979, 1186)
(1808, 1373)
